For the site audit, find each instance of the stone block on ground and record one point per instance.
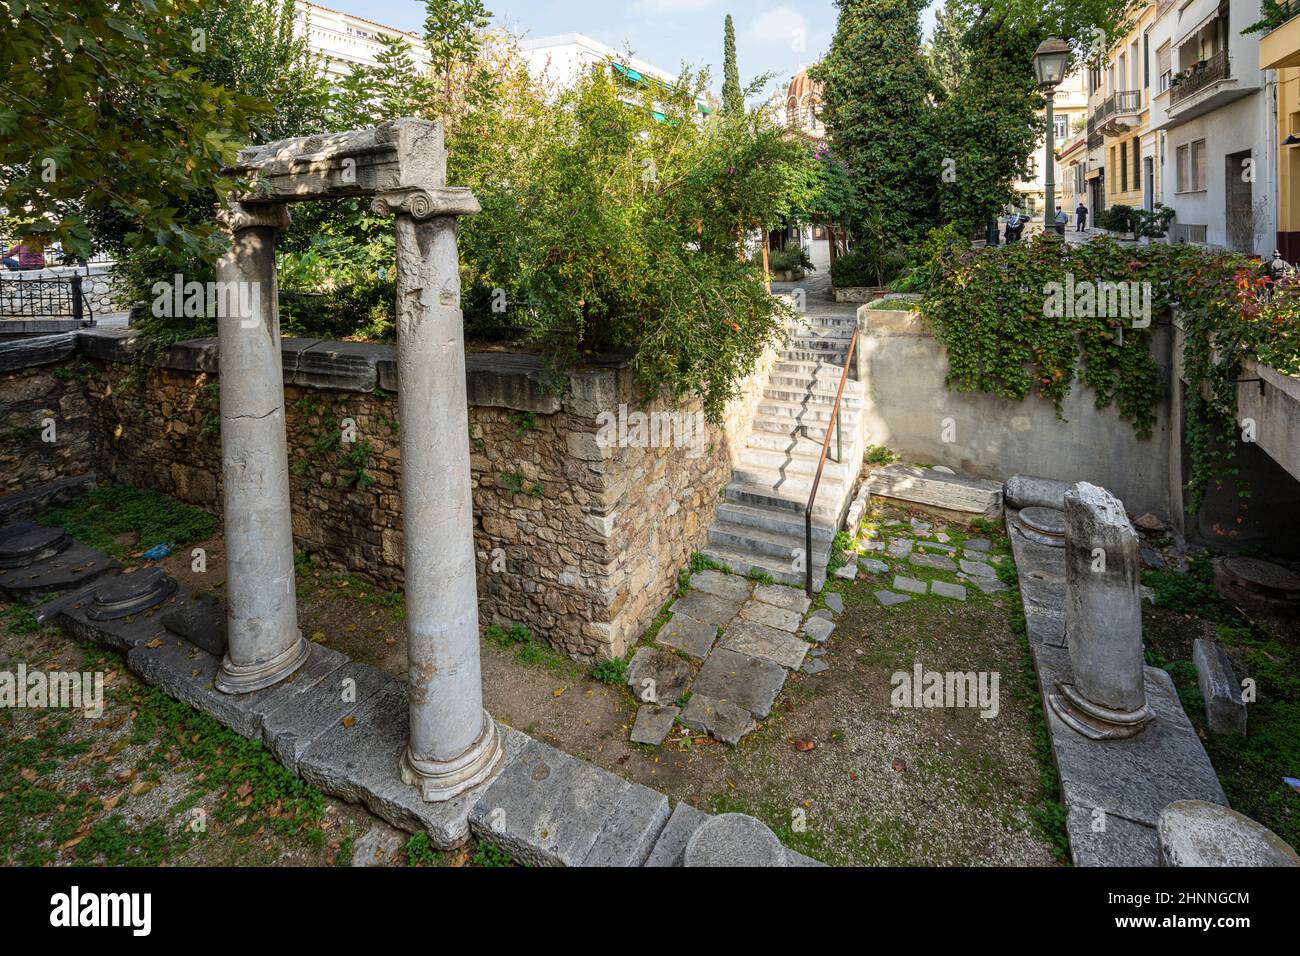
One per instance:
(929, 489)
(653, 723)
(818, 628)
(900, 547)
(977, 569)
(979, 545)
(891, 599)
(381, 845)
(770, 616)
(687, 635)
(815, 665)
(732, 587)
(707, 608)
(791, 599)
(1097, 840)
(988, 585)
(910, 585)
(74, 568)
(720, 719)
(658, 676)
(1225, 711)
(750, 682)
(847, 572)
(835, 602)
(758, 640)
(872, 566)
(1196, 833)
(936, 547)
(547, 808)
(734, 840)
(200, 619)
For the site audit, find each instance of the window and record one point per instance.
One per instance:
(1123, 166)
(1164, 66)
(1146, 59)
(1137, 166)
(1062, 127)
(1191, 166)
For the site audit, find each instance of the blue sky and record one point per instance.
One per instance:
(776, 36)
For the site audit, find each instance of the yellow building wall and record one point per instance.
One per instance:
(1288, 164)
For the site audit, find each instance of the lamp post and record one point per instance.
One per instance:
(1050, 60)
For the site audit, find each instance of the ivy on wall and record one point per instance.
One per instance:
(1035, 317)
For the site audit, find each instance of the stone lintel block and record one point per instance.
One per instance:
(294, 723)
(550, 809)
(1225, 711)
(36, 350)
(108, 345)
(192, 355)
(930, 489)
(32, 501)
(342, 366)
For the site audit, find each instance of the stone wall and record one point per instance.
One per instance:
(45, 420)
(908, 406)
(578, 539)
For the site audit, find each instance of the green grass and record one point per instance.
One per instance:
(112, 510)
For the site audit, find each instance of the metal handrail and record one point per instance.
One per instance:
(821, 463)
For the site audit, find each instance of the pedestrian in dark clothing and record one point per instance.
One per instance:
(1081, 215)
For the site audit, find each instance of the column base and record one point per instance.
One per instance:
(1094, 721)
(440, 781)
(235, 678)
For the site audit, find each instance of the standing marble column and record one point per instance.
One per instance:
(264, 645)
(454, 744)
(1103, 619)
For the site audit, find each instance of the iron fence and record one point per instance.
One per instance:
(44, 297)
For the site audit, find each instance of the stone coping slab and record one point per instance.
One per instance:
(768, 643)
(749, 682)
(30, 351)
(30, 502)
(944, 493)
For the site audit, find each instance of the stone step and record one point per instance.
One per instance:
(844, 320)
(806, 414)
(794, 462)
(814, 396)
(777, 520)
(813, 355)
(746, 539)
(790, 497)
(817, 367)
(788, 428)
(799, 483)
(741, 563)
(829, 345)
(828, 381)
(787, 443)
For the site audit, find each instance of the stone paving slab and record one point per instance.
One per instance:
(653, 722)
(890, 599)
(977, 568)
(936, 547)
(687, 635)
(988, 585)
(939, 562)
(707, 608)
(1132, 779)
(658, 676)
(872, 566)
(768, 643)
(731, 587)
(910, 585)
(847, 572)
(834, 602)
(818, 628)
(900, 547)
(750, 682)
(289, 728)
(770, 616)
(815, 665)
(954, 592)
(978, 545)
(200, 619)
(792, 599)
(550, 809)
(671, 845)
(1121, 843)
(720, 719)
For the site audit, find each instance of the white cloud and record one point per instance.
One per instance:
(780, 26)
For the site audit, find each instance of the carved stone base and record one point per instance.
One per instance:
(1094, 721)
(440, 781)
(244, 678)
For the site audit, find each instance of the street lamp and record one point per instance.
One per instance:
(1050, 61)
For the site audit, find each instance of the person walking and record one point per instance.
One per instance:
(1062, 219)
(1081, 217)
(24, 256)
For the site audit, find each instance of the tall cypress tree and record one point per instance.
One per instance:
(733, 100)
(877, 105)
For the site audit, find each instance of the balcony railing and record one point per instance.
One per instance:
(1198, 76)
(1127, 103)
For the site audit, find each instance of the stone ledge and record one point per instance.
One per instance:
(32, 501)
(109, 345)
(28, 352)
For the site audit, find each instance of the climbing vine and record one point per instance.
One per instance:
(1033, 318)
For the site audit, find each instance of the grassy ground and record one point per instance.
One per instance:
(835, 770)
(1267, 650)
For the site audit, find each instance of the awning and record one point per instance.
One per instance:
(1197, 15)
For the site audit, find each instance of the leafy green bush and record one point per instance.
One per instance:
(789, 259)
(613, 672)
(865, 266)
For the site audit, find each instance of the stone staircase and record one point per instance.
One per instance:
(761, 522)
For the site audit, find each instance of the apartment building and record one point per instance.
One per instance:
(1279, 50)
(345, 39)
(1213, 122)
(1069, 115)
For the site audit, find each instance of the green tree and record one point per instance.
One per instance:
(990, 124)
(878, 89)
(733, 98)
(453, 34)
(946, 52)
(108, 112)
(394, 87)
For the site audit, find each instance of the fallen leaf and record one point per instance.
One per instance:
(558, 693)
(156, 642)
(108, 803)
(899, 765)
(803, 746)
(349, 720)
(144, 786)
(244, 789)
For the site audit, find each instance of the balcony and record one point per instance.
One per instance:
(1203, 87)
(1280, 47)
(1117, 115)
